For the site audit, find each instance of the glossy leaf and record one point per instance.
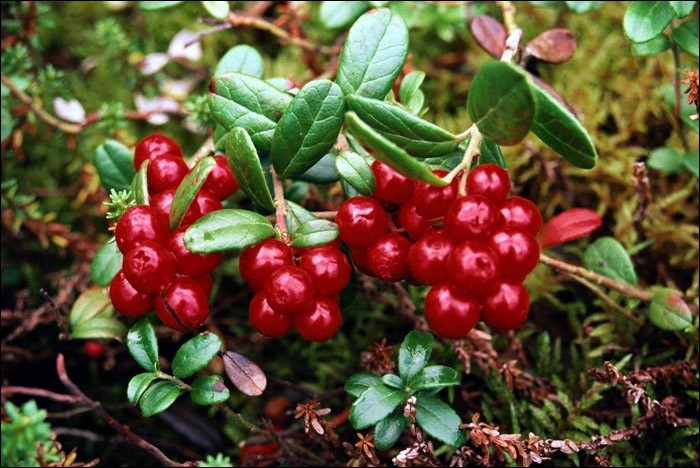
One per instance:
(139, 185)
(104, 326)
(645, 20)
(6, 120)
(209, 390)
(554, 46)
(501, 102)
(439, 420)
(323, 172)
(315, 232)
(667, 160)
(583, 7)
(356, 171)
(143, 345)
(336, 15)
(115, 165)
(560, 130)
(106, 264)
(393, 380)
(683, 8)
(241, 59)
(92, 317)
(245, 164)
(669, 311)
(296, 216)
(159, 397)
(138, 385)
(491, 153)
(91, 303)
(389, 153)
(357, 384)
(373, 55)
(246, 375)
(686, 36)
(569, 225)
(657, 45)
(188, 189)
(375, 404)
(308, 129)
(157, 5)
(410, 94)
(490, 34)
(414, 353)
(218, 9)
(434, 377)
(195, 354)
(414, 135)
(388, 430)
(239, 100)
(229, 229)
(609, 258)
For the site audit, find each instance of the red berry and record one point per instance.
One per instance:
(205, 283)
(321, 321)
(427, 258)
(388, 257)
(414, 224)
(336, 244)
(149, 267)
(361, 220)
(221, 181)
(162, 201)
(473, 268)
(206, 202)
(183, 305)
(261, 260)
(153, 147)
(491, 181)
(432, 201)
(522, 213)
(471, 217)
(328, 268)
(289, 290)
(507, 307)
(189, 263)
(390, 186)
(94, 349)
(138, 224)
(265, 320)
(166, 172)
(126, 300)
(451, 315)
(517, 250)
(361, 261)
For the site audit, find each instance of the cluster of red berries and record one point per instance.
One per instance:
(475, 250)
(158, 270)
(295, 287)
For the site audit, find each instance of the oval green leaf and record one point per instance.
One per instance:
(434, 377)
(669, 311)
(357, 384)
(336, 15)
(218, 9)
(229, 229)
(158, 398)
(143, 345)
(323, 172)
(295, 216)
(439, 420)
(645, 20)
(101, 327)
(655, 46)
(91, 303)
(375, 404)
(608, 257)
(667, 160)
(692, 163)
(686, 36)
(414, 135)
(195, 354)
(373, 54)
(491, 153)
(106, 264)
(188, 189)
(138, 385)
(115, 165)
(241, 59)
(388, 430)
(314, 232)
(414, 353)
(157, 5)
(682, 8)
(356, 171)
(209, 390)
(245, 164)
(393, 381)
(308, 128)
(389, 153)
(139, 185)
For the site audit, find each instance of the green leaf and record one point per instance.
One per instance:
(336, 15)
(314, 232)
(682, 9)
(501, 102)
(158, 398)
(414, 135)
(92, 317)
(245, 164)
(692, 163)
(608, 257)
(375, 404)
(156, 5)
(218, 9)
(106, 264)
(686, 36)
(410, 88)
(645, 20)
(687, 109)
(115, 165)
(439, 420)
(388, 430)
(583, 7)
(323, 172)
(188, 189)
(138, 385)
(358, 383)
(241, 59)
(239, 100)
(669, 311)
(8, 122)
(491, 153)
(91, 303)
(667, 160)
(373, 55)
(296, 216)
(195, 354)
(101, 327)
(414, 353)
(561, 131)
(393, 381)
(356, 171)
(656, 45)
(209, 390)
(389, 153)
(139, 185)
(434, 377)
(143, 345)
(227, 230)
(308, 128)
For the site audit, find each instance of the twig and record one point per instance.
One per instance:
(39, 392)
(205, 150)
(59, 317)
(607, 299)
(281, 211)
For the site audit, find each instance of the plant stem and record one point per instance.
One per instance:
(678, 96)
(281, 211)
(205, 150)
(175, 380)
(471, 151)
